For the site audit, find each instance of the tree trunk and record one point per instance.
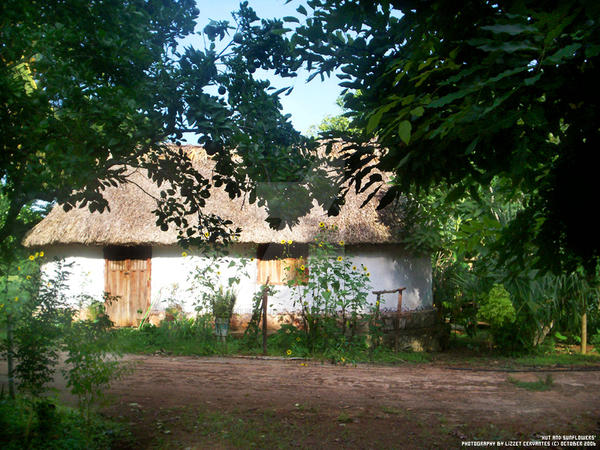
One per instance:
(9, 357)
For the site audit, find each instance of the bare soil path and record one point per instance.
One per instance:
(190, 402)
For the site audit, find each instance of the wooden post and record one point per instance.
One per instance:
(584, 333)
(265, 301)
(400, 299)
(396, 319)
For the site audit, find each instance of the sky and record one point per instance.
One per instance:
(308, 103)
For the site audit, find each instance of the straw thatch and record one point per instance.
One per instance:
(130, 220)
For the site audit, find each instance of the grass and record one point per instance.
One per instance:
(539, 385)
(43, 423)
(476, 350)
(188, 338)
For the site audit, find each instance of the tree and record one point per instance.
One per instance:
(458, 93)
(90, 91)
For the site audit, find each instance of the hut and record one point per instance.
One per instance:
(121, 251)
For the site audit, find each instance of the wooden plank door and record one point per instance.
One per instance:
(128, 277)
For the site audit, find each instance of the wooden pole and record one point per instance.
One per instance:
(584, 334)
(265, 301)
(400, 300)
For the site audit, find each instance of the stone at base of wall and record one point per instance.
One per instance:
(416, 331)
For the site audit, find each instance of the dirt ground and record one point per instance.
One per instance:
(189, 402)
(198, 403)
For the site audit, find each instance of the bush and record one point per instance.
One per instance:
(42, 423)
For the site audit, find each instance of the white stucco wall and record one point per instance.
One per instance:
(390, 267)
(86, 269)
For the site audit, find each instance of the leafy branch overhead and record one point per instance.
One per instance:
(91, 91)
(458, 93)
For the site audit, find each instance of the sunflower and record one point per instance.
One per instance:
(340, 258)
(321, 225)
(283, 241)
(42, 254)
(288, 352)
(290, 242)
(302, 267)
(31, 257)
(184, 254)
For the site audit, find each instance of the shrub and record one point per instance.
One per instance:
(332, 300)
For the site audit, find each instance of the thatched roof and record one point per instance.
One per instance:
(130, 220)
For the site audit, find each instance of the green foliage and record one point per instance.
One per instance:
(223, 302)
(182, 336)
(497, 309)
(45, 424)
(215, 281)
(595, 340)
(91, 364)
(71, 124)
(332, 300)
(459, 93)
(37, 312)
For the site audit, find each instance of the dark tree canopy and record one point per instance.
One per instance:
(458, 93)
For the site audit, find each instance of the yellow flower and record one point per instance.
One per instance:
(184, 254)
(343, 359)
(353, 267)
(219, 273)
(320, 244)
(368, 274)
(365, 268)
(31, 257)
(251, 259)
(18, 267)
(302, 267)
(288, 352)
(298, 339)
(37, 254)
(283, 241)
(28, 277)
(303, 364)
(341, 243)
(321, 225)
(340, 258)
(42, 254)
(16, 299)
(206, 234)
(290, 242)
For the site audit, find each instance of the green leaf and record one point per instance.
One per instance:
(291, 19)
(404, 130)
(511, 28)
(455, 194)
(564, 53)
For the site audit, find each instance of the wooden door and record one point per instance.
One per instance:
(127, 276)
